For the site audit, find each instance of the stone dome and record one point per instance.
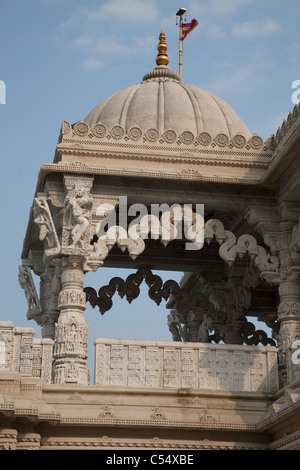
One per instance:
(162, 105)
(162, 102)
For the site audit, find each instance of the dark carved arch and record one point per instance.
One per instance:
(157, 292)
(196, 303)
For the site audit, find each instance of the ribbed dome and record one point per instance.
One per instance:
(163, 102)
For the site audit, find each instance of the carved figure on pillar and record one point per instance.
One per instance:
(70, 348)
(78, 213)
(77, 216)
(26, 283)
(174, 324)
(43, 218)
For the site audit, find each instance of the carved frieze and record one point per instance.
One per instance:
(99, 131)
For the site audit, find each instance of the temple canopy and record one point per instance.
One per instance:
(163, 175)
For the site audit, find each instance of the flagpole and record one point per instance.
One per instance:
(180, 13)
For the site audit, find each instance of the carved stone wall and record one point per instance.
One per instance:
(155, 364)
(20, 352)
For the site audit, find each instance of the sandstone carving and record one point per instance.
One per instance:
(43, 218)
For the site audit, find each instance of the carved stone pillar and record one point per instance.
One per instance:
(289, 319)
(280, 232)
(50, 287)
(70, 350)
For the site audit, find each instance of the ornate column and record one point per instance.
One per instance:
(289, 319)
(70, 350)
(281, 233)
(50, 287)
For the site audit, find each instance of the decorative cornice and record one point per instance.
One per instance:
(182, 158)
(99, 133)
(75, 146)
(159, 423)
(106, 442)
(189, 174)
(287, 136)
(293, 117)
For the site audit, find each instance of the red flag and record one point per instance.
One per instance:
(188, 27)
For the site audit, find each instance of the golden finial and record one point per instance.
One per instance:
(162, 58)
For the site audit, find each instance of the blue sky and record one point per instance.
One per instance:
(59, 58)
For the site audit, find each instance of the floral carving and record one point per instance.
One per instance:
(152, 135)
(222, 140)
(117, 132)
(99, 130)
(81, 128)
(135, 133)
(187, 137)
(170, 136)
(288, 308)
(66, 127)
(204, 138)
(106, 413)
(256, 142)
(157, 414)
(239, 141)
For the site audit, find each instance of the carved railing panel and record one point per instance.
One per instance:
(159, 364)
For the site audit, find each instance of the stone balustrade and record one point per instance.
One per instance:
(20, 352)
(149, 364)
(156, 364)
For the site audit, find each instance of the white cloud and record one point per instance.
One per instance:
(196, 10)
(82, 42)
(129, 11)
(112, 46)
(117, 28)
(146, 43)
(227, 7)
(256, 28)
(91, 64)
(242, 77)
(235, 81)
